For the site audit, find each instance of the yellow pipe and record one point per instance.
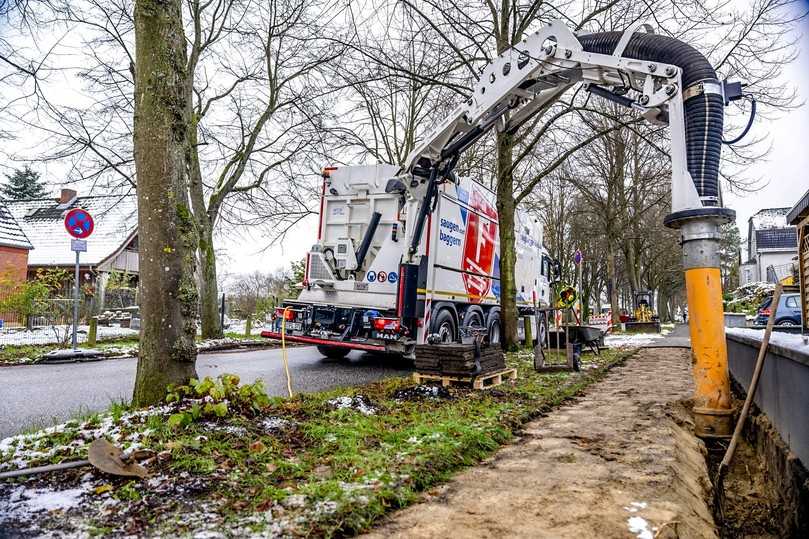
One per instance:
(712, 399)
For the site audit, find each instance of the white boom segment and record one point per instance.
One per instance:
(532, 75)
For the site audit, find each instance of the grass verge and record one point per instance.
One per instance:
(30, 353)
(323, 464)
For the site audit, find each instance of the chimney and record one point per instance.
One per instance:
(67, 196)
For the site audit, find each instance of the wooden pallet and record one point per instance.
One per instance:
(483, 381)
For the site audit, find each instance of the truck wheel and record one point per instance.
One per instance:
(333, 352)
(494, 328)
(473, 319)
(444, 324)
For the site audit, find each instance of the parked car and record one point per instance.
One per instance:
(787, 314)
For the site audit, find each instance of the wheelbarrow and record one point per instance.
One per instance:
(589, 336)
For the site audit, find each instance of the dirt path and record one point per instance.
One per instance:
(618, 462)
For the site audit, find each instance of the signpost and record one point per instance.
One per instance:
(80, 225)
(578, 258)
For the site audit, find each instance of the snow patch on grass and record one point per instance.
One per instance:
(24, 501)
(274, 424)
(55, 335)
(358, 403)
(24, 450)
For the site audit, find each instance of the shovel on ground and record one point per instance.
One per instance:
(101, 454)
(110, 459)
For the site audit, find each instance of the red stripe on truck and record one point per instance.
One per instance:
(320, 221)
(400, 299)
(314, 340)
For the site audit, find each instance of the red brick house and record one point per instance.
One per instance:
(14, 247)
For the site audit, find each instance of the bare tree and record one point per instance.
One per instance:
(256, 101)
(281, 50)
(167, 234)
(476, 31)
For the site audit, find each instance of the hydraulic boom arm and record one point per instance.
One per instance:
(667, 82)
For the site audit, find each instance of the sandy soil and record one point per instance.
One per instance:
(618, 462)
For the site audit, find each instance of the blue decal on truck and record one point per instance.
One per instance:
(496, 275)
(463, 196)
(392, 277)
(370, 276)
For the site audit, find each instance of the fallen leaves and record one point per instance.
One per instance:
(257, 447)
(101, 489)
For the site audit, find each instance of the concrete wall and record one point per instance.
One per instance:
(783, 391)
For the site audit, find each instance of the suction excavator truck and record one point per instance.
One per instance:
(362, 292)
(436, 234)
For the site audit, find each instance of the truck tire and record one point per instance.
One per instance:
(494, 328)
(333, 352)
(473, 318)
(444, 326)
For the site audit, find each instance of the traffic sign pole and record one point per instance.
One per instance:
(80, 225)
(75, 340)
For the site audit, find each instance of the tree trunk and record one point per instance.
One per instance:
(210, 319)
(663, 311)
(208, 291)
(612, 284)
(166, 229)
(505, 211)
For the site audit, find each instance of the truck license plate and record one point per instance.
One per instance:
(293, 326)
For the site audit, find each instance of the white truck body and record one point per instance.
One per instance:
(456, 267)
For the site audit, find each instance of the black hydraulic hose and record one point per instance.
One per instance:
(365, 244)
(704, 111)
(424, 209)
(602, 92)
(749, 124)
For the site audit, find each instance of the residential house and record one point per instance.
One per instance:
(772, 246)
(112, 247)
(14, 248)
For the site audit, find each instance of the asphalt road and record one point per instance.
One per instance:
(42, 395)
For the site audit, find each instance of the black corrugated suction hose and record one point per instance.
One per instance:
(704, 112)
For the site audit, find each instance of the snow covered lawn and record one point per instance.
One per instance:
(57, 334)
(320, 464)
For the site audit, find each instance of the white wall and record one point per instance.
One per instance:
(748, 273)
(776, 259)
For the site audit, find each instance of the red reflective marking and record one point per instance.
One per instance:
(313, 340)
(320, 221)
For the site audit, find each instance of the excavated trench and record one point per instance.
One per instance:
(621, 460)
(766, 490)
